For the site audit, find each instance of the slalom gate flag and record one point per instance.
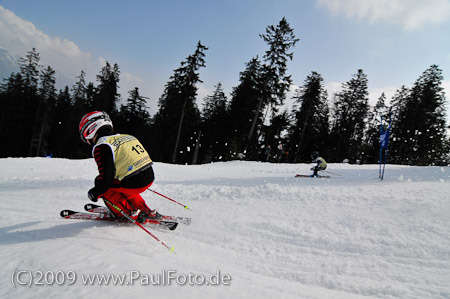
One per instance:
(384, 135)
(384, 138)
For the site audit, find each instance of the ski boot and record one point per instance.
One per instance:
(153, 215)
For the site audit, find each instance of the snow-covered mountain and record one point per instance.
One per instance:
(8, 64)
(257, 232)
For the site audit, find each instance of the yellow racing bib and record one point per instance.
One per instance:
(322, 162)
(128, 154)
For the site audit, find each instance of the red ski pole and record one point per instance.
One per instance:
(186, 207)
(138, 224)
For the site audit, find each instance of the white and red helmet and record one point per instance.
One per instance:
(91, 122)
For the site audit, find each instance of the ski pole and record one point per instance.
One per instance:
(328, 171)
(185, 207)
(332, 172)
(138, 224)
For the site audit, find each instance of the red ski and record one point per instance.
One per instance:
(68, 214)
(308, 176)
(92, 208)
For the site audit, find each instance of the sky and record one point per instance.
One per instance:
(392, 41)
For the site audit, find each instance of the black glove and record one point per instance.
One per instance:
(91, 195)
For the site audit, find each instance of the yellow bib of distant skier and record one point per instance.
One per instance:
(128, 153)
(322, 162)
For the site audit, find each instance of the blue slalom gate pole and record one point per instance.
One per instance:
(384, 163)
(381, 146)
(384, 144)
(381, 158)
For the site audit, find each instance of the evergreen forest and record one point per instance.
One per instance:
(37, 120)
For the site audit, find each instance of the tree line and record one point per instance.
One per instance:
(38, 120)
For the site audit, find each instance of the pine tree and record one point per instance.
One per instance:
(420, 131)
(215, 123)
(47, 89)
(107, 95)
(29, 68)
(136, 105)
(398, 144)
(243, 106)
(22, 105)
(91, 95)
(350, 112)
(310, 129)
(12, 126)
(134, 117)
(79, 94)
(275, 82)
(47, 95)
(63, 127)
(176, 122)
(82, 99)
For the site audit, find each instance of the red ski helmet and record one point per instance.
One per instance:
(91, 122)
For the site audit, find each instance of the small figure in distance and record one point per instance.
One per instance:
(321, 164)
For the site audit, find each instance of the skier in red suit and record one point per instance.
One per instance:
(124, 166)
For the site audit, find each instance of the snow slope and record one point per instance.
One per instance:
(275, 235)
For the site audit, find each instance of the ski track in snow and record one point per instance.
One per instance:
(277, 236)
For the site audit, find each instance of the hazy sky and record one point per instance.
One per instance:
(393, 41)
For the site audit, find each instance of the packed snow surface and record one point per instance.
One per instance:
(257, 232)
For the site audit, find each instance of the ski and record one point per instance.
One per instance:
(308, 176)
(69, 214)
(93, 208)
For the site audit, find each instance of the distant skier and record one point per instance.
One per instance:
(321, 163)
(267, 153)
(124, 166)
